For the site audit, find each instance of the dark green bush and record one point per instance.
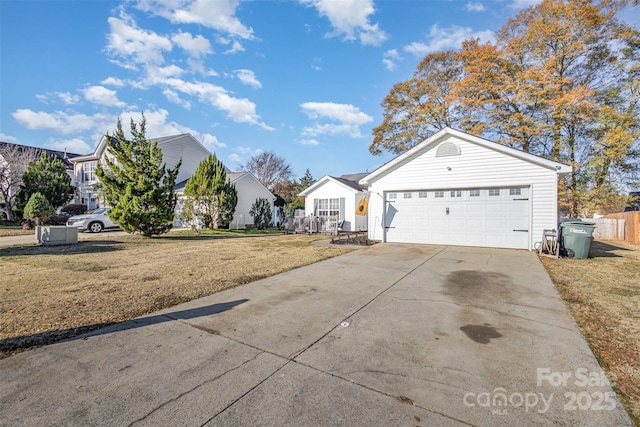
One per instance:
(57, 219)
(74, 209)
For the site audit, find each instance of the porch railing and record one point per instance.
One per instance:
(314, 224)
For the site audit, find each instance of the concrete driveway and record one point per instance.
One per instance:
(387, 335)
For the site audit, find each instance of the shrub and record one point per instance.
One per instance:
(38, 208)
(57, 219)
(261, 213)
(74, 209)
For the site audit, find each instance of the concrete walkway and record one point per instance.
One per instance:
(387, 335)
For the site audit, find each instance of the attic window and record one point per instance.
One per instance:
(448, 149)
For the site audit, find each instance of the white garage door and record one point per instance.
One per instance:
(489, 217)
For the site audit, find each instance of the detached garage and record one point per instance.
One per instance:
(459, 189)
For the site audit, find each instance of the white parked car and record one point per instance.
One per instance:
(93, 222)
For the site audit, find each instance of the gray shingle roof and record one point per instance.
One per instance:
(62, 155)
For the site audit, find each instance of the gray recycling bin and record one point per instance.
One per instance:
(577, 237)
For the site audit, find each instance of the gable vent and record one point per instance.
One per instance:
(448, 149)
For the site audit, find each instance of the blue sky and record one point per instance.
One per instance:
(304, 79)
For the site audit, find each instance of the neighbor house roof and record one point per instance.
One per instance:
(102, 145)
(434, 139)
(232, 177)
(349, 181)
(62, 155)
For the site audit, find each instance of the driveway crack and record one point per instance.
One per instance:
(295, 356)
(398, 398)
(176, 398)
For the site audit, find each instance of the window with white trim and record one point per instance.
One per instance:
(515, 191)
(439, 194)
(494, 192)
(328, 207)
(392, 196)
(407, 195)
(474, 193)
(89, 171)
(456, 193)
(422, 195)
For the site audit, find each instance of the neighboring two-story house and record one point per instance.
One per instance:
(22, 154)
(174, 148)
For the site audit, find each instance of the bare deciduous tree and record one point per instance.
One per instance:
(269, 168)
(14, 160)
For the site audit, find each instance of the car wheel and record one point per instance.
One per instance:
(95, 227)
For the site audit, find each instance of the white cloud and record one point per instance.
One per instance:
(240, 110)
(447, 38)
(522, 4)
(236, 46)
(113, 81)
(248, 77)
(133, 43)
(159, 74)
(242, 150)
(235, 158)
(102, 96)
(242, 154)
(475, 7)
(98, 125)
(158, 126)
(173, 96)
(59, 121)
(390, 58)
(208, 140)
(196, 46)
(351, 19)
(67, 98)
(219, 15)
(309, 142)
(348, 118)
(8, 138)
(74, 145)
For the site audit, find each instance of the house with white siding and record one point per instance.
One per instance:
(337, 197)
(174, 148)
(249, 190)
(459, 189)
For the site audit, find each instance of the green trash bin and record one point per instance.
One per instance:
(577, 237)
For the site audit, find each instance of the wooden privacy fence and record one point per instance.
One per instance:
(618, 226)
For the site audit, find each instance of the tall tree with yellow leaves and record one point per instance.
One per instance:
(561, 81)
(419, 107)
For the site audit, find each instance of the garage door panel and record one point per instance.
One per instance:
(474, 208)
(471, 221)
(517, 208)
(494, 208)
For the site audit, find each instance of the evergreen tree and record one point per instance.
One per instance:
(38, 208)
(261, 213)
(47, 176)
(306, 180)
(210, 198)
(137, 185)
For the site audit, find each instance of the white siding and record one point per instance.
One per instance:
(333, 190)
(249, 189)
(186, 148)
(476, 167)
